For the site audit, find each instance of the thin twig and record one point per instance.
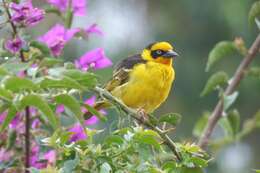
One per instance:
(238, 76)
(27, 109)
(134, 114)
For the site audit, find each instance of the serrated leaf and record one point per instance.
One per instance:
(254, 12)
(93, 111)
(42, 47)
(216, 80)
(9, 117)
(171, 118)
(41, 105)
(229, 100)
(72, 104)
(220, 51)
(200, 125)
(65, 83)
(17, 84)
(50, 62)
(6, 95)
(86, 79)
(105, 168)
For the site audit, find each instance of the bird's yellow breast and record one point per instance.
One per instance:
(149, 86)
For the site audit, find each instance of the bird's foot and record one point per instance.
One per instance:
(143, 115)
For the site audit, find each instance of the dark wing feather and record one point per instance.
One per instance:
(122, 69)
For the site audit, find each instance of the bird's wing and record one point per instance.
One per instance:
(121, 72)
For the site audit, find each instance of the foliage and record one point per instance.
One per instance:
(42, 96)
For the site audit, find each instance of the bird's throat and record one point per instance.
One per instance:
(166, 61)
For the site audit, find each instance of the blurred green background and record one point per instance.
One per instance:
(193, 27)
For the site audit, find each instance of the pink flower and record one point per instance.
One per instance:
(50, 156)
(26, 14)
(93, 119)
(60, 109)
(78, 6)
(57, 37)
(94, 29)
(5, 155)
(78, 133)
(95, 58)
(14, 45)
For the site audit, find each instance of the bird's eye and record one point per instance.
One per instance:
(159, 52)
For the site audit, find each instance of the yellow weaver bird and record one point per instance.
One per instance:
(143, 81)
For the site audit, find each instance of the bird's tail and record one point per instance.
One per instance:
(98, 106)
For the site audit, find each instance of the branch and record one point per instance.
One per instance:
(238, 76)
(27, 109)
(134, 114)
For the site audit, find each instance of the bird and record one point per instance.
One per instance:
(143, 81)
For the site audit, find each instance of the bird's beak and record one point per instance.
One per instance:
(170, 54)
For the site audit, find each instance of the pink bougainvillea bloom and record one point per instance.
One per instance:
(26, 14)
(94, 29)
(57, 37)
(50, 156)
(36, 123)
(14, 45)
(95, 59)
(78, 133)
(60, 109)
(78, 6)
(5, 155)
(93, 119)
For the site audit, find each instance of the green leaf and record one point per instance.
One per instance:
(254, 12)
(220, 51)
(93, 111)
(169, 166)
(114, 139)
(254, 72)
(148, 137)
(14, 66)
(34, 170)
(229, 100)
(6, 95)
(216, 80)
(11, 139)
(105, 168)
(171, 118)
(257, 171)
(226, 126)
(65, 83)
(199, 162)
(191, 170)
(70, 165)
(86, 79)
(3, 71)
(257, 119)
(40, 104)
(50, 62)
(53, 10)
(201, 124)
(234, 120)
(17, 84)
(72, 104)
(9, 117)
(42, 47)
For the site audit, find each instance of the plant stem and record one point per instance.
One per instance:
(134, 114)
(238, 76)
(27, 109)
